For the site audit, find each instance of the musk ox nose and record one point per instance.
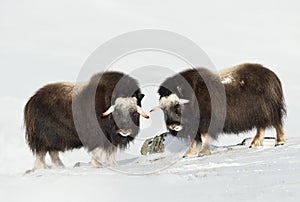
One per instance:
(124, 132)
(176, 127)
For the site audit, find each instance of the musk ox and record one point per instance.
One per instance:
(100, 115)
(253, 99)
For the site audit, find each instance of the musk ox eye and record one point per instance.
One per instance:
(117, 114)
(136, 114)
(133, 113)
(177, 108)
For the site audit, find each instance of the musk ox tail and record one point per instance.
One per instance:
(276, 99)
(29, 122)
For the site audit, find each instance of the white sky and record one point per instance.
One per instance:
(48, 41)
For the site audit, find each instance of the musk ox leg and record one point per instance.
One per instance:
(55, 159)
(206, 142)
(40, 162)
(280, 139)
(96, 161)
(258, 139)
(111, 159)
(193, 150)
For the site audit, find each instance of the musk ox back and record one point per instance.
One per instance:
(100, 115)
(254, 99)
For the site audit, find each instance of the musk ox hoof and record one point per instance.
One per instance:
(95, 164)
(190, 154)
(112, 164)
(279, 144)
(253, 146)
(256, 144)
(58, 166)
(36, 168)
(204, 153)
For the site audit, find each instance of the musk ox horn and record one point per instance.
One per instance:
(140, 111)
(155, 108)
(109, 111)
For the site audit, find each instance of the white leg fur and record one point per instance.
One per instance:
(258, 138)
(206, 142)
(96, 161)
(193, 150)
(110, 158)
(56, 160)
(40, 162)
(280, 139)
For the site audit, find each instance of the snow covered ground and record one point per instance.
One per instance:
(48, 41)
(231, 174)
(262, 174)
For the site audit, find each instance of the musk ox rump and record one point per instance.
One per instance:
(254, 99)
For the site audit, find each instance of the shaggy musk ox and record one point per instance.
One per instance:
(253, 98)
(100, 115)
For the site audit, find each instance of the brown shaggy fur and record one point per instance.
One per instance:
(254, 99)
(50, 114)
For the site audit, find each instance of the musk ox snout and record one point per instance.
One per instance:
(176, 127)
(124, 132)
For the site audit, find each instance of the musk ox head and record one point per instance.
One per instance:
(125, 113)
(193, 102)
(107, 111)
(173, 108)
(176, 102)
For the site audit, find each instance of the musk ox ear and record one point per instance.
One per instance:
(138, 95)
(109, 111)
(163, 91)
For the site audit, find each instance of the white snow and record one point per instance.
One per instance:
(48, 41)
